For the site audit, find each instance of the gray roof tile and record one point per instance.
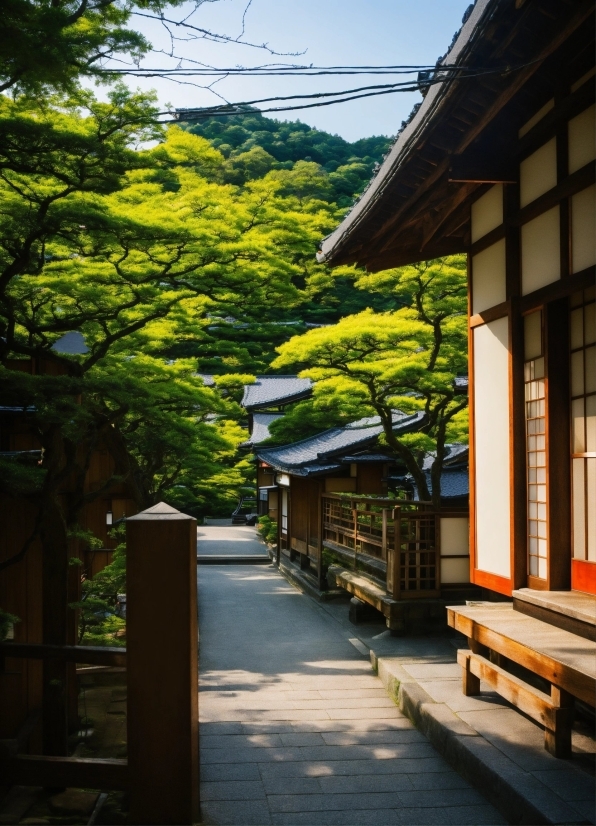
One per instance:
(275, 390)
(320, 450)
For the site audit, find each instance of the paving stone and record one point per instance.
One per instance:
(290, 785)
(449, 691)
(349, 738)
(326, 802)
(400, 722)
(433, 671)
(452, 816)
(358, 767)
(356, 693)
(426, 781)
(515, 735)
(297, 729)
(571, 785)
(302, 738)
(441, 797)
(225, 771)
(230, 741)
(365, 783)
(232, 790)
(356, 713)
(235, 813)
(383, 817)
(586, 809)
(220, 728)
(267, 727)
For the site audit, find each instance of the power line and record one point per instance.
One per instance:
(422, 84)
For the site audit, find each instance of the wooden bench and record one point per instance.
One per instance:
(565, 660)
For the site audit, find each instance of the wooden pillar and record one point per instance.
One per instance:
(162, 666)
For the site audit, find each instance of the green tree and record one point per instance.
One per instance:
(406, 360)
(51, 44)
(134, 249)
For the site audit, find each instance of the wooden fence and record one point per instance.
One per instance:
(403, 536)
(161, 772)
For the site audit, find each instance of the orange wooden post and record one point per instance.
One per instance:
(162, 666)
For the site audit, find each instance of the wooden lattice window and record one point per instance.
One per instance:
(535, 413)
(583, 430)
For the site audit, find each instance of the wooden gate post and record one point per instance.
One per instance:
(162, 666)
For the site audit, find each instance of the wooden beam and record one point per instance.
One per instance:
(490, 314)
(437, 222)
(60, 772)
(90, 654)
(584, 10)
(559, 289)
(470, 168)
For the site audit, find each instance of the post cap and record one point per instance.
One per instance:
(160, 511)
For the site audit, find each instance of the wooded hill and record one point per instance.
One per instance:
(254, 145)
(325, 173)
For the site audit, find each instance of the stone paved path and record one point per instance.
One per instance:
(296, 729)
(219, 540)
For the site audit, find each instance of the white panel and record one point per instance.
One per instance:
(537, 117)
(538, 173)
(455, 535)
(582, 139)
(488, 277)
(491, 434)
(533, 335)
(454, 570)
(583, 229)
(487, 212)
(540, 251)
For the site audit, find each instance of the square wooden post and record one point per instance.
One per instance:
(162, 666)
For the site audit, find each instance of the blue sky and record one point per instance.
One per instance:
(339, 32)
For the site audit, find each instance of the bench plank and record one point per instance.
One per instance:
(564, 659)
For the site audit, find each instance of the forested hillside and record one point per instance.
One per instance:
(324, 174)
(254, 145)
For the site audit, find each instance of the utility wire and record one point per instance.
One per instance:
(187, 114)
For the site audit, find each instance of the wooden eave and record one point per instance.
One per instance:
(414, 210)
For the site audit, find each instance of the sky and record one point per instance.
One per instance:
(327, 32)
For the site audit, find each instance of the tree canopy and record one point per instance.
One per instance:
(407, 360)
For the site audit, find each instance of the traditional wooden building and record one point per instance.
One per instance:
(335, 496)
(501, 166)
(498, 162)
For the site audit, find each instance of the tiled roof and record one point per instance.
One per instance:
(208, 380)
(455, 483)
(260, 427)
(316, 454)
(275, 390)
(456, 455)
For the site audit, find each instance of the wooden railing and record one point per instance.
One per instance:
(400, 539)
(160, 773)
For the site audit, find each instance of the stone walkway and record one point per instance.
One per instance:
(295, 727)
(215, 540)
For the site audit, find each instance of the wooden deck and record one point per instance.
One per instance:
(570, 610)
(567, 661)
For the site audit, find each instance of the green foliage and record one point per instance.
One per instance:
(6, 620)
(51, 44)
(405, 360)
(267, 529)
(316, 164)
(98, 622)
